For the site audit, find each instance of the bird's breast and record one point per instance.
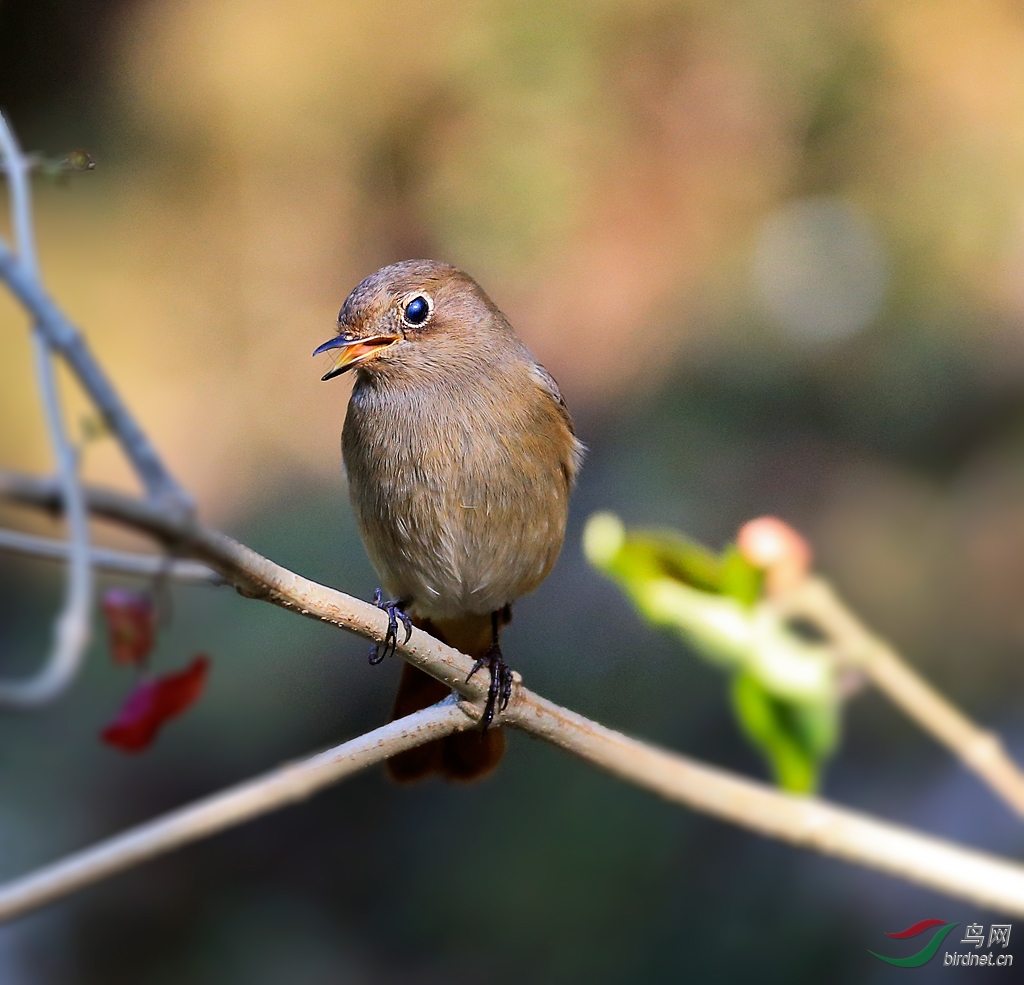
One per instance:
(460, 492)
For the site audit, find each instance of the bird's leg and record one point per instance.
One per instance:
(500, 689)
(394, 610)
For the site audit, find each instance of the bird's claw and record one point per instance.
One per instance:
(500, 690)
(390, 645)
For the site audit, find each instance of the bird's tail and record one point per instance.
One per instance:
(464, 755)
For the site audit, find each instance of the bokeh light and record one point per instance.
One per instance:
(819, 269)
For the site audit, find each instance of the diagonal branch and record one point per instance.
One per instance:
(285, 785)
(72, 627)
(832, 830)
(980, 750)
(809, 822)
(62, 336)
(899, 851)
(254, 575)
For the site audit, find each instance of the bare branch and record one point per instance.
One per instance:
(255, 576)
(62, 336)
(44, 493)
(811, 823)
(933, 862)
(72, 627)
(285, 785)
(980, 750)
(115, 562)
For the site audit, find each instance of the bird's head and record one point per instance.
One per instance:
(410, 314)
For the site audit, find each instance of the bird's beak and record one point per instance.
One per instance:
(353, 351)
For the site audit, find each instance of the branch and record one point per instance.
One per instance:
(20, 276)
(72, 627)
(115, 562)
(809, 822)
(254, 575)
(832, 830)
(941, 865)
(980, 750)
(285, 785)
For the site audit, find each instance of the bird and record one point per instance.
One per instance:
(460, 456)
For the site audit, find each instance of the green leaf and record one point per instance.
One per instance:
(795, 738)
(740, 578)
(783, 686)
(649, 554)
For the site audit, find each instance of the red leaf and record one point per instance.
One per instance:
(153, 703)
(131, 625)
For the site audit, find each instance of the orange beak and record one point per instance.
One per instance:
(353, 351)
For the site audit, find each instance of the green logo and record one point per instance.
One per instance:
(927, 952)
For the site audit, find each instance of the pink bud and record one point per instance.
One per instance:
(777, 549)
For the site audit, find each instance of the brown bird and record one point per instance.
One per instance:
(460, 455)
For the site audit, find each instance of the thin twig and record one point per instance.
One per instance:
(114, 562)
(829, 829)
(285, 785)
(72, 627)
(62, 336)
(980, 750)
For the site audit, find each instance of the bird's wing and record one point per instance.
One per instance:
(572, 464)
(548, 382)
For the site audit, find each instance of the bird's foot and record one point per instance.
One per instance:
(394, 610)
(500, 689)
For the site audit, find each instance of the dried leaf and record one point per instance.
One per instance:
(131, 625)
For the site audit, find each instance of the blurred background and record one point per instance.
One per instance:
(774, 254)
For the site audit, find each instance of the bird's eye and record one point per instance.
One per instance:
(417, 311)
